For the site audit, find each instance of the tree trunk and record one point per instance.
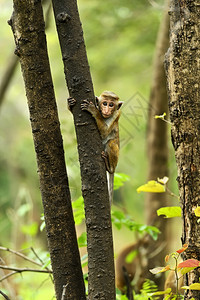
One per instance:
(28, 27)
(157, 151)
(182, 64)
(7, 76)
(93, 173)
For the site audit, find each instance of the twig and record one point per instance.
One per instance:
(21, 255)
(171, 193)
(20, 270)
(8, 275)
(64, 291)
(36, 255)
(8, 75)
(5, 296)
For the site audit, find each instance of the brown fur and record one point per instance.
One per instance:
(170, 282)
(106, 114)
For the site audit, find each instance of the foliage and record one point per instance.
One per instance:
(170, 212)
(119, 179)
(152, 186)
(110, 29)
(162, 117)
(119, 219)
(120, 49)
(159, 186)
(148, 288)
(179, 270)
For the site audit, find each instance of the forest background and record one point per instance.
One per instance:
(120, 38)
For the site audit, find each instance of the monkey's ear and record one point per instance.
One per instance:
(120, 104)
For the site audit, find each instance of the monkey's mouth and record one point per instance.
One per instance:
(106, 116)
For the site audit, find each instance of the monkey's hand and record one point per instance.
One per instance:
(71, 102)
(88, 106)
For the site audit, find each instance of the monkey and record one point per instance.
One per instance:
(106, 113)
(133, 266)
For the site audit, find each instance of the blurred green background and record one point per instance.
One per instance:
(120, 38)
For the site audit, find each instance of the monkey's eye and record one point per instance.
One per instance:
(104, 103)
(111, 104)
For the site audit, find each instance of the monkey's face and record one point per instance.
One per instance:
(107, 108)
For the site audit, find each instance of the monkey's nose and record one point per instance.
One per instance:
(107, 109)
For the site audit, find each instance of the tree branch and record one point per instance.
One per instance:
(28, 28)
(20, 270)
(101, 280)
(21, 255)
(4, 295)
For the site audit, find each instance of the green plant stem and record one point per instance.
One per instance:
(176, 276)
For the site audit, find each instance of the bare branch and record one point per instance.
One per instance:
(8, 75)
(8, 275)
(22, 256)
(33, 250)
(4, 295)
(37, 256)
(20, 270)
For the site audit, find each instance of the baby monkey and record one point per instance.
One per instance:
(106, 113)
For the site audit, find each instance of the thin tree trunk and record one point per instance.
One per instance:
(157, 151)
(94, 184)
(183, 70)
(7, 76)
(28, 28)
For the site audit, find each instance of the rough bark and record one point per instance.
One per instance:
(28, 28)
(94, 184)
(157, 151)
(182, 64)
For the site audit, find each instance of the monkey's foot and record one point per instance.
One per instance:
(104, 155)
(106, 159)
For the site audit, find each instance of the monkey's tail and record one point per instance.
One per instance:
(110, 179)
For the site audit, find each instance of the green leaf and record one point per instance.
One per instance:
(130, 257)
(152, 187)
(78, 210)
(169, 212)
(31, 229)
(119, 220)
(78, 203)
(82, 240)
(48, 263)
(167, 291)
(119, 179)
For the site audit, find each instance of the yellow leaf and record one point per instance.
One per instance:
(151, 187)
(160, 116)
(194, 286)
(197, 211)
